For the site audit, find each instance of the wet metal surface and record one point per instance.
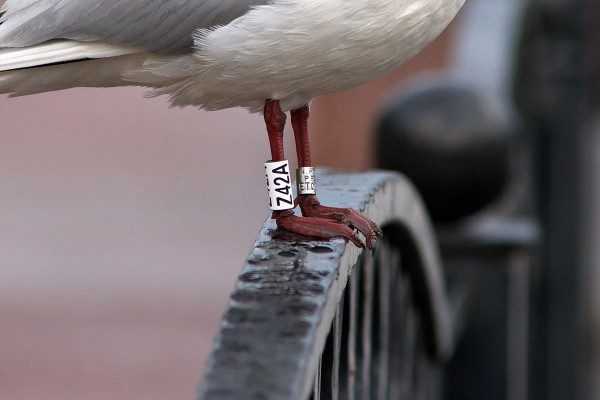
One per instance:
(269, 327)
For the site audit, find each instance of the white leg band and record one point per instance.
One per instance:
(279, 185)
(305, 179)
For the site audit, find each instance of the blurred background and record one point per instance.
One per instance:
(124, 223)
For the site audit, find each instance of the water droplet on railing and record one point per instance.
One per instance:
(321, 249)
(286, 254)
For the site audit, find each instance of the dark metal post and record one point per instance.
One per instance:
(552, 92)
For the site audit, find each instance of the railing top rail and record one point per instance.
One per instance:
(282, 307)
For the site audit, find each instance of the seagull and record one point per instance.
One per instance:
(268, 56)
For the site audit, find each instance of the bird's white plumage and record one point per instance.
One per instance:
(293, 50)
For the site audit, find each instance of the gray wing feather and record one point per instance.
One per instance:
(164, 26)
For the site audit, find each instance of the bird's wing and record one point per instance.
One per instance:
(162, 26)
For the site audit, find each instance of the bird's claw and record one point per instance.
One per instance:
(327, 222)
(317, 227)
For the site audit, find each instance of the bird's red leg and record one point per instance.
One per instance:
(318, 227)
(275, 121)
(309, 204)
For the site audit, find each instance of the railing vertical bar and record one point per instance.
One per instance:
(408, 342)
(337, 346)
(419, 388)
(398, 309)
(367, 319)
(384, 272)
(317, 384)
(352, 334)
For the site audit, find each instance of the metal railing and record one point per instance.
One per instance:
(323, 320)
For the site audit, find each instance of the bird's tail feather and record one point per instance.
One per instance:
(47, 67)
(101, 72)
(58, 51)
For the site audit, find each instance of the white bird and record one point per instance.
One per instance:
(265, 55)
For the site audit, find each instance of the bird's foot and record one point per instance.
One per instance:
(312, 208)
(327, 222)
